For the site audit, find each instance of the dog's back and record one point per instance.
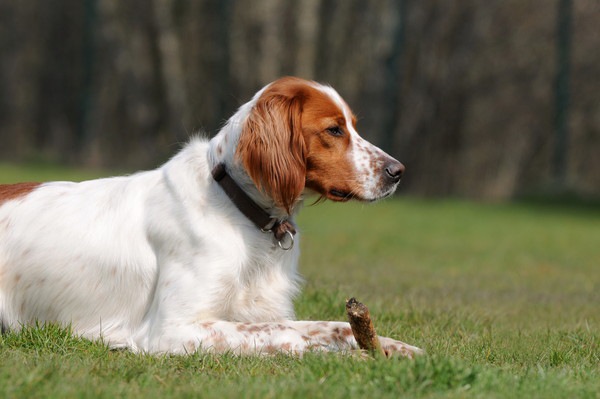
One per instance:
(76, 253)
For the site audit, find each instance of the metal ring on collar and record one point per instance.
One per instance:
(291, 241)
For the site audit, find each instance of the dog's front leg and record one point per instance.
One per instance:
(295, 337)
(332, 335)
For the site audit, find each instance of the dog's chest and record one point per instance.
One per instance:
(260, 289)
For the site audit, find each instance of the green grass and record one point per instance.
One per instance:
(504, 298)
(43, 171)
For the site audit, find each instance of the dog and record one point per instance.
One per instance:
(201, 253)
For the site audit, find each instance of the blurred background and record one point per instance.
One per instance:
(481, 99)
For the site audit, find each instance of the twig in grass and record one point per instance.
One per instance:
(362, 327)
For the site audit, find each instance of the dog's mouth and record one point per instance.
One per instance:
(339, 195)
(342, 196)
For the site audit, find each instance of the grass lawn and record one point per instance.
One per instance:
(504, 298)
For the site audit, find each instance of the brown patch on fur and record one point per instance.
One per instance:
(13, 191)
(328, 163)
(286, 347)
(271, 146)
(218, 341)
(256, 328)
(270, 349)
(190, 346)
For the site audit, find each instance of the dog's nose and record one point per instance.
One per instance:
(394, 170)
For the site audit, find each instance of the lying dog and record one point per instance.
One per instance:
(200, 254)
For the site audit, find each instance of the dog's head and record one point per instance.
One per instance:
(302, 135)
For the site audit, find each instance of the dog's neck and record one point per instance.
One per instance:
(222, 151)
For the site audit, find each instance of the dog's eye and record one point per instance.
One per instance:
(335, 131)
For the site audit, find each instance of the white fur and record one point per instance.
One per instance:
(158, 261)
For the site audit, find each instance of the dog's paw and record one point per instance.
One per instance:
(393, 348)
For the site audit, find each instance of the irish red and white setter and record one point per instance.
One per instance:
(201, 253)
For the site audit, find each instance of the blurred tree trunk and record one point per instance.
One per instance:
(168, 62)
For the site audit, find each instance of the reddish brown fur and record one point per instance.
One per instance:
(271, 146)
(13, 191)
(285, 145)
(328, 163)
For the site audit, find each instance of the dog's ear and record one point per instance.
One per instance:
(272, 148)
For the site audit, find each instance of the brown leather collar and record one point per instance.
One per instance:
(261, 218)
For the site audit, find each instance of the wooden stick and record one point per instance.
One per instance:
(362, 327)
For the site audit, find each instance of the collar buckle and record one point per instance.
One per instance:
(268, 228)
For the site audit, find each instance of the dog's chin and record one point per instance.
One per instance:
(388, 192)
(344, 196)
